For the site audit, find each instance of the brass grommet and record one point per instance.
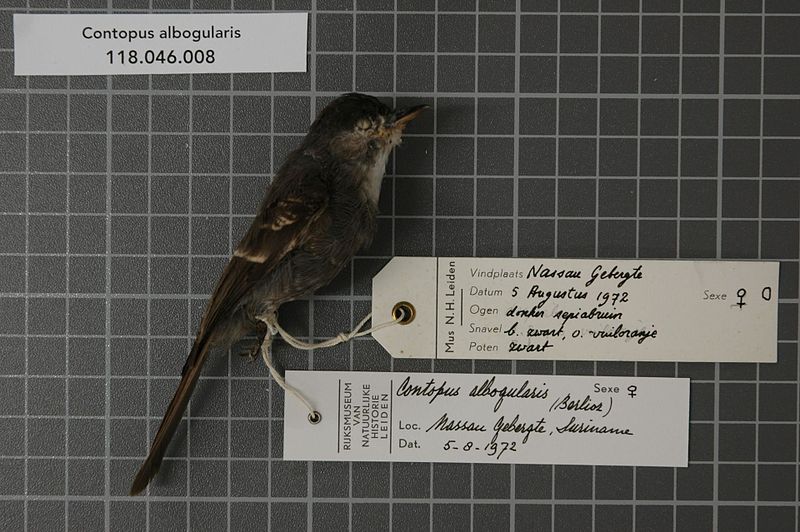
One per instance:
(404, 312)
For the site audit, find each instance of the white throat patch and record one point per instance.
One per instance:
(375, 173)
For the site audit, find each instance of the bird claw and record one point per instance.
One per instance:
(252, 353)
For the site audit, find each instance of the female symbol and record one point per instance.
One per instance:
(740, 294)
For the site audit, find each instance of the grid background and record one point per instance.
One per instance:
(649, 128)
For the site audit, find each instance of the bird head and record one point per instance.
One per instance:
(360, 128)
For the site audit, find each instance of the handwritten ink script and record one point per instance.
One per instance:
(586, 309)
(440, 417)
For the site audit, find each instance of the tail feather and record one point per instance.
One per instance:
(172, 418)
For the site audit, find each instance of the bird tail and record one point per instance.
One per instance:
(191, 372)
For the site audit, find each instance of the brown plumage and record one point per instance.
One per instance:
(319, 210)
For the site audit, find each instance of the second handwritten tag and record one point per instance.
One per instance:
(512, 419)
(578, 309)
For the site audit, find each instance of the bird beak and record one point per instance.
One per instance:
(401, 117)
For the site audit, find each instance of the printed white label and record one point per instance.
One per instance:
(522, 419)
(159, 44)
(580, 309)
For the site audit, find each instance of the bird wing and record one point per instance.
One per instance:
(282, 226)
(296, 201)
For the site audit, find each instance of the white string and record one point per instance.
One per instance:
(266, 354)
(274, 328)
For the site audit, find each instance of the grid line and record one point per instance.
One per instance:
(550, 198)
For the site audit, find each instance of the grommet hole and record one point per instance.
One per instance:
(404, 312)
(314, 417)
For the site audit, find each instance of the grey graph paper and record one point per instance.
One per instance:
(571, 128)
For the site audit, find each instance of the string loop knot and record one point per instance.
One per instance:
(275, 329)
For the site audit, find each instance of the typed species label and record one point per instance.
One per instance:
(65, 44)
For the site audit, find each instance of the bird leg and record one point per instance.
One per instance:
(265, 349)
(252, 350)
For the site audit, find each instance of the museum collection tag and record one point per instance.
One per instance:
(82, 44)
(524, 419)
(578, 309)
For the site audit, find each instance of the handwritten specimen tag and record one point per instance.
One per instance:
(523, 419)
(50, 44)
(579, 309)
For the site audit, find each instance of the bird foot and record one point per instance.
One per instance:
(252, 352)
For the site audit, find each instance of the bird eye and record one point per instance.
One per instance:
(363, 124)
(373, 144)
